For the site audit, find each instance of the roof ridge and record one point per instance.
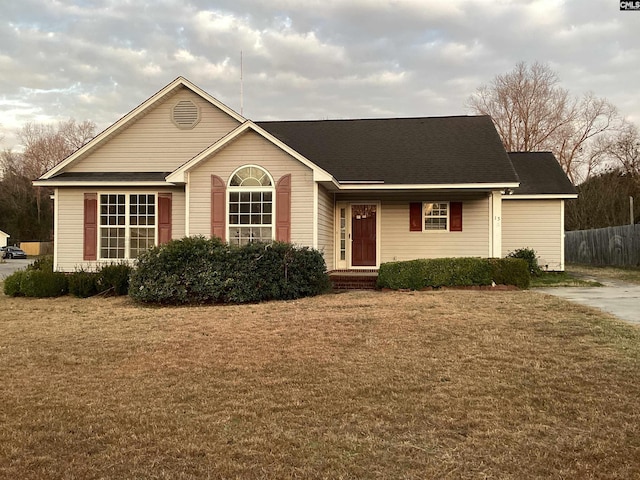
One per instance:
(436, 117)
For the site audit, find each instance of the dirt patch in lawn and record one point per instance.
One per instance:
(449, 384)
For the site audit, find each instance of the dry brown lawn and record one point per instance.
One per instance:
(447, 385)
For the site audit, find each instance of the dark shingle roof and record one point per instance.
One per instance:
(540, 173)
(431, 150)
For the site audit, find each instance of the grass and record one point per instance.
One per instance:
(625, 274)
(561, 279)
(455, 384)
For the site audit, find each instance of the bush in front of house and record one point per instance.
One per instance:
(452, 272)
(510, 271)
(12, 283)
(530, 256)
(114, 279)
(38, 280)
(197, 270)
(43, 284)
(83, 284)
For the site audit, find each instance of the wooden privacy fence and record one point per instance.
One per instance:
(604, 246)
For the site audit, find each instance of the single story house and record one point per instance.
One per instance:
(363, 192)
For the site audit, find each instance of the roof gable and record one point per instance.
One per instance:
(178, 175)
(410, 151)
(141, 110)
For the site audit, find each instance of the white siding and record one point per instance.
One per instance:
(535, 224)
(253, 149)
(154, 144)
(325, 226)
(398, 243)
(70, 227)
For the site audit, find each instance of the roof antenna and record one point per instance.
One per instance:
(241, 88)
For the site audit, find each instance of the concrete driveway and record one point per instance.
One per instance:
(8, 266)
(619, 298)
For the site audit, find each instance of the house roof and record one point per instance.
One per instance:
(540, 174)
(107, 178)
(415, 151)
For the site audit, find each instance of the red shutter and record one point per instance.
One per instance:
(415, 217)
(164, 218)
(90, 249)
(455, 216)
(218, 207)
(283, 209)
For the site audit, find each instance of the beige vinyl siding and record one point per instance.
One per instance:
(252, 149)
(154, 143)
(535, 224)
(70, 226)
(325, 226)
(398, 243)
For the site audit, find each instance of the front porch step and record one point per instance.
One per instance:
(353, 280)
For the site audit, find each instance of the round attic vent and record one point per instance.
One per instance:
(185, 114)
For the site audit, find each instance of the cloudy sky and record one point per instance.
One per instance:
(302, 59)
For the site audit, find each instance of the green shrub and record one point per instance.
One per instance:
(530, 256)
(201, 270)
(43, 264)
(40, 284)
(12, 284)
(114, 279)
(437, 272)
(83, 284)
(452, 272)
(510, 271)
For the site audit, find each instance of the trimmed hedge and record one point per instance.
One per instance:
(453, 272)
(196, 270)
(39, 280)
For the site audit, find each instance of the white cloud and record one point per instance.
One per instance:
(314, 59)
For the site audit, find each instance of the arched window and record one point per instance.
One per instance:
(250, 198)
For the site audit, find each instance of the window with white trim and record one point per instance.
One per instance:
(127, 224)
(436, 216)
(250, 201)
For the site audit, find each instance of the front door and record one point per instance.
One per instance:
(363, 234)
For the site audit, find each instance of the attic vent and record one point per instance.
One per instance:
(185, 114)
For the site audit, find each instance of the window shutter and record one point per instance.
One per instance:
(164, 218)
(415, 217)
(90, 249)
(283, 209)
(218, 207)
(455, 216)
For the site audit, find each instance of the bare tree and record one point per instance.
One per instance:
(532, 112)
(623, 151)
(46, 145)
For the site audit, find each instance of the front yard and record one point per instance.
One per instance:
(451, 384)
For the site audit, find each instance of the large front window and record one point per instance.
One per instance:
(250, 206)
(127, 224)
